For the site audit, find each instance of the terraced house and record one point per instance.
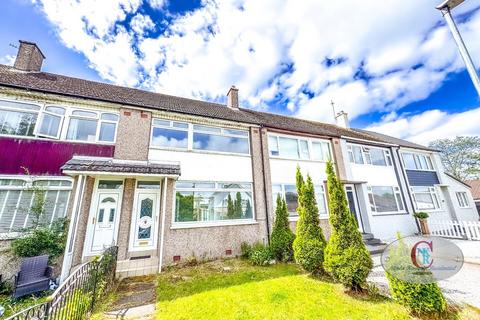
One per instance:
(154, 174)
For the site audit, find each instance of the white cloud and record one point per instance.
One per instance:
(8, 60)
(431, 125)
(307, 53)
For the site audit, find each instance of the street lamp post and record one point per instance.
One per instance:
(445, 8)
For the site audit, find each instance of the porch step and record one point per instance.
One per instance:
(373, 241)
(376, 249)
(367, 236)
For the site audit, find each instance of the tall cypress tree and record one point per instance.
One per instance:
(347, 259)
(282, 237)
(309, 244)
(238, 205)
(230, 207)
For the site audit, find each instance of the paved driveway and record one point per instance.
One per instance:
(462, 287)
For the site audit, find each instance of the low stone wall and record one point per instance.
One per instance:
(9, 264)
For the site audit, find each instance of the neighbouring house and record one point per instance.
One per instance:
(475, 190)
(154, 174)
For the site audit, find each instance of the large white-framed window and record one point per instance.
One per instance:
(17, 196)
(204, 202)
(298, 148)
(462, 199)
(169, 134)
(425, 198)
(18, 118)
(385, 199)
(289, 193)
(369, 155)
(417, 161)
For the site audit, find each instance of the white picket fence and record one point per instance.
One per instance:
(469, 230)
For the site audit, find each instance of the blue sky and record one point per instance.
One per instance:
(393, 69)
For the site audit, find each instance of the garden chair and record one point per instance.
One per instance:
(34, 276)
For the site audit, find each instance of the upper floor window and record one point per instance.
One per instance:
(415, 161)
(384, 199)
(462, 199)
(169, 134)
(18, 118)
(28, 119)
(220, 139)
(368, 155)
(425, 198)
(298, 148)
(289, 193)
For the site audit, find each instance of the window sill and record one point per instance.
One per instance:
(200, 151)
(391, 213)
(192, 225)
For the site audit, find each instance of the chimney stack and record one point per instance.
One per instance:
(29, 57)
(342, 120)
(232, 98)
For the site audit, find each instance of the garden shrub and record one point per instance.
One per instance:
(309, 244)
(260, 255)
(420, 297)
(245, 249)
(282, 237)
(347, 259)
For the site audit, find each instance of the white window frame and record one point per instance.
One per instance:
(37, 112)
(42, 116)
(416, 159)
(28, 183)
(462, 199)
(397, 195)
(218, 130)
(366, 157)
(172, 127)
(309, 141)
(293, 216)
(201, 224)
(433, 193)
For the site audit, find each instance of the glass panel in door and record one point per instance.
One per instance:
(146, 213)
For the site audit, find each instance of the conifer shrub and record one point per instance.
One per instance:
(347, 259)
(309, 244)
(282, 237)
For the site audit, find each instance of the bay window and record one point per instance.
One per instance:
(369, 155)
(16, 199)
(298, 148)
(385, 199)
(197, 202)
(425, 198)
(414, 161)
(17, 118)
(169, 134)
(289, 193)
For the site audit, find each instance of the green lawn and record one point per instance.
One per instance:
(12, 306)
(281, 291)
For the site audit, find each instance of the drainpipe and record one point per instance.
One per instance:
(264, 185)
(406, 183)
(162, 233)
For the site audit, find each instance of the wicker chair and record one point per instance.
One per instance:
(34, 276)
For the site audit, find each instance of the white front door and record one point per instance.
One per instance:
(104, 221)
(145, 218)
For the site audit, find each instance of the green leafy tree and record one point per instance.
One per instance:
(309, 244)
(230, 207)
(238, 206)
(184, 207)
(347, 259)
(282, 237)
(248, 210)
(460, 156)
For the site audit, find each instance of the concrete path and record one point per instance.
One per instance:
(464, 287)
(145, 312)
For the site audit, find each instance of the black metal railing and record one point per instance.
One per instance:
(78, 295)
